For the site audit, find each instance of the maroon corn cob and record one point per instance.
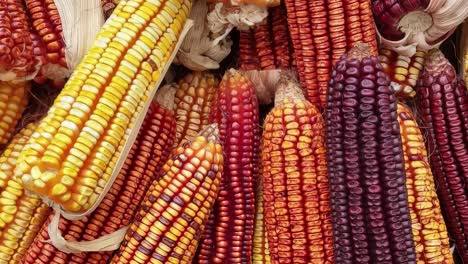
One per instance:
(371, 217)
(248, 59)
(142, 166)
(443, 105)
(228, 237)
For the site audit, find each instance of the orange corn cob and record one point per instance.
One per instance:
(428, 226)
(296, 191)
(193, 103)
(16, 46)
(263, 45)
(13, 101)
(230, 231)
(176, 208)
(143, 164)
(403, 70)
(261, 251)
(21, 215)
(318, 26)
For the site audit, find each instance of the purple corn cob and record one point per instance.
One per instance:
(367, 179)
(443, 105)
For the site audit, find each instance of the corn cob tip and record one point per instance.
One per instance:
(211, 132)
(288, 88)
(165, 96)
(359, 51)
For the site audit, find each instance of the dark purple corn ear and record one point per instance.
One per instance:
(443, 106)
(371, 218)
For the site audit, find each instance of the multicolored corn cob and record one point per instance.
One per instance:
(442, 103)
(403, 71)
(371, 218)
(193, 103)
(294, 169)
(73, 146)
(428, 226)
(17, 59)
(260, 249)
(321, 31)
(176, 208)
(267, 46)
(142, 166)
(21, 215)
(14, 99)
(230, 230)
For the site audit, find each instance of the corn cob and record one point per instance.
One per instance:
(371, 217)
(193, 100)
(16, 47)
(45, 22)
(248, 59)
(229, 237)
(14, 98)
(296, 196)
(428, 226)
(318, 26)
(260, 249)
(73, 145)
(21, 215)
(403, 71)
(269, 3)
(143, 164)
(442, 100)
(174, 212)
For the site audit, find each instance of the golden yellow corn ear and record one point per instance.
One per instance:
(175, 210)
(21, 215)
(427, 222)
(193, 104)
(68, 154)
(260, 251)
(295, 190)
(13, 101)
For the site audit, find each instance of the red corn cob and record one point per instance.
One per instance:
(142, 166)
(280, 37)
(443, 105)
(229, 233)
(371, 218)
(263, 45)
(248, 59)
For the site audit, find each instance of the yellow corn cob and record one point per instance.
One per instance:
(175, 210)
(71, 149)
(193, 100)
(13, 101)
(21, 215)
(428, 226)
(261, 251)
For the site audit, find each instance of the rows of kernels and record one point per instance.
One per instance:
(404, 71)
(88, 119)
(193, 102)
(143, 164)
(45, 20)
(21, 215)
(366, 167)
(174, 213)
(443, 107)
(428, 226)
(14, 98)
(248, 59)
(260, 249)
(16, 49)
(280, 37)
(237, 115)
(296, 197)
(263, 46)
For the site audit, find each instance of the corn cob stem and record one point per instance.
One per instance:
(21, 215)
(370, 205)
(428, 226)
(143, 165)
(174, 212)
(229, 239)
(296, 196)
(442, 99)
(73, 144)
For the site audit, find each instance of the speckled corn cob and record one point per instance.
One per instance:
(294, 169)
(68, 153)
(173, 215)
(21, 215)
(13, 101)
